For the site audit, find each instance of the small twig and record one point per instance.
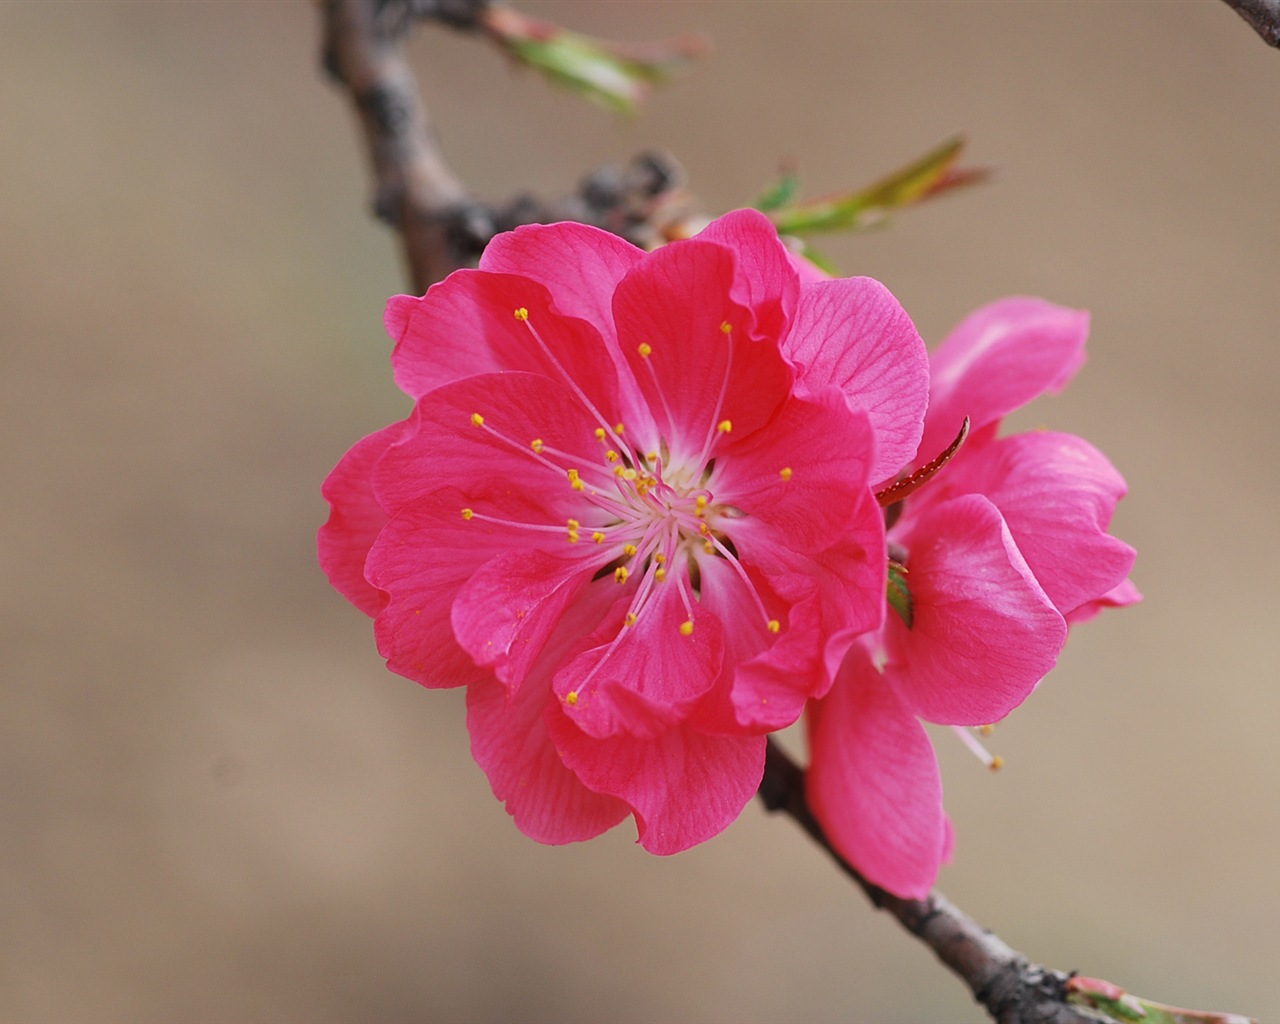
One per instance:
(1263, 15)
(1012, 988)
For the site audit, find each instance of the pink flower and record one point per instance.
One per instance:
(1002, 549)
(632, 512)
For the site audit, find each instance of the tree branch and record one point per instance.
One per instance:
(1263, 15)
(442, 228)
(1012, 988)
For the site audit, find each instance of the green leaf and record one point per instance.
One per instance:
(899, 594)
(779, 193)
(1120, 1005)
(930, 175)
(614, 75)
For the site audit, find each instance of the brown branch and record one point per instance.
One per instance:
(441, 226)
(1263, 15)
(1012, 988)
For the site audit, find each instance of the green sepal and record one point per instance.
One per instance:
(780, 193)
(1119, 1005)
(899, 594)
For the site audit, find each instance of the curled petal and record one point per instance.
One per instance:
(873, 781)
(684, 787)
(1119, 596)
(766, 280)
(1057, 494)
(984, 632)
(854, 335)
(997, 360)
(355, 519)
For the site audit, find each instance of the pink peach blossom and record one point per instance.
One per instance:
(1002, 549)
(632, 512)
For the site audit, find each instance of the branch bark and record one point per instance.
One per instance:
(1013, 989)
(1263, 15)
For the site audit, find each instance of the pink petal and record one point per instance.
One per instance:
(579, 265)
(495, 461)
(854, 335)
(672, 306)
(1057, 494)
(997, 360)
(641, 679)
(355, 520)
(1119, 596)
(684, 787)
(800, 481)
(873, 781)
(421, 567)
(984, 631)
(509, 741)
(766, 281)
(510, 606)
(467, 325)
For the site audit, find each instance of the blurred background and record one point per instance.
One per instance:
(217, 805)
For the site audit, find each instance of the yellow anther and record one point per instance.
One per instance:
(629, 474)
(645, 350)
(522, 313)
(573, 536)
(708, 547)
(700, 505)
(659, 574)
(775, 626)
(997, 763)
(686, 627)
(617, 429)
(704, 529)
(785, 472)
(986, 730)
(629, 550)
(467, 513)
(573, 524)
(536, 444)
(660, 558)
(600, 433)
(630, 620)
(618, 471)
(651, 456)
(574, 481)
(571, 697)
(598, 537)
(477, 419)
(726, 327)
(620, 574)
(611, 455)
(724, 426)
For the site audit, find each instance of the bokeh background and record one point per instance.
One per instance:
(217, 805)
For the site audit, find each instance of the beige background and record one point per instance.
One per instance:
(216, 805)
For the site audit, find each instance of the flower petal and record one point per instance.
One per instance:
(642, 679)
(511, 605)
(800, 481)
(984, 631)
(766, 280)
(997, 360)
(854, 335)
(1057, 494)
(670, 311)
(355, 519)
(684, 787)
(579, 265)
(873, 781)
(509, 741)
(468, 324)
(1119, 596)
